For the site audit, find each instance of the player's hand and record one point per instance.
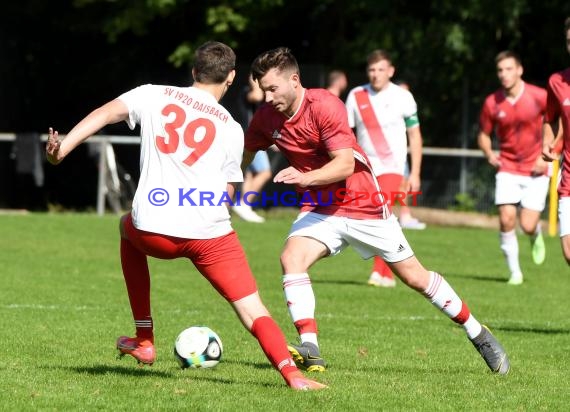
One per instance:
(494, 160)
(414, 183)
(291, 176)
(540, 167)
(549, 152)
(52, 147)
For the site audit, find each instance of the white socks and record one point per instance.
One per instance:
(442, 296)
(300, 301)
(510, 248)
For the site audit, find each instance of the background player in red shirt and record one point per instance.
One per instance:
(515, 112)
(558, 113)
(203, 234)
(341, 205)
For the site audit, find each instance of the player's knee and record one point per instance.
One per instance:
(286, 259)
(507, 219)
(291, 261)
(528, 229)
(529, 222)
(507, 225)
(249, 309)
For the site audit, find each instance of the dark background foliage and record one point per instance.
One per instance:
(59, 60)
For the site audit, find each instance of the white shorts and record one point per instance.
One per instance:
(529, 191)
(564, 215)
(371, 237)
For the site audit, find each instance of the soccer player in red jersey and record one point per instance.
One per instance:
(558, 113)
(341, 205)
(167, 229)
(515, 113)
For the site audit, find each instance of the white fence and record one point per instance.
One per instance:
(108, 180)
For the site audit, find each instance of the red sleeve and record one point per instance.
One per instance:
(542, 98)
(255, 136)
(552, 103)
(486, 122)
(333, 122)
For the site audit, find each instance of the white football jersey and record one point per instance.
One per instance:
(191, 148)
(391, 109)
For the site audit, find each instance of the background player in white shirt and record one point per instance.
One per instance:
(191, 150)
(385, 118)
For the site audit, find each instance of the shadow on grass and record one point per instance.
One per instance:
(339, 282)
(119, 370)
(256, 365)
(445, 275)
(532, 329)
(195, 374)
(502, 279)
(399, 369)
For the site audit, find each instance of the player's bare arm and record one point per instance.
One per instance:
(231, 188)
(246, 159)
(111, 112)
(339, 168)
(415, 143)
(485, 144)
(551, 144)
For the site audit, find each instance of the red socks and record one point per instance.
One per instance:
(137, 280)
(382, 268)
(274, 345)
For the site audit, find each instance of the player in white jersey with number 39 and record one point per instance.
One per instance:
(191, 151)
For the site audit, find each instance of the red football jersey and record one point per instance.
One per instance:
(558, 106)
(319, 126)
(518, 126)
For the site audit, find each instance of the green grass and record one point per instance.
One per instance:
(63, 303)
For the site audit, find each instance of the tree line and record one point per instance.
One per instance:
(61, 59)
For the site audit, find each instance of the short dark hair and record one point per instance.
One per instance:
(213, 61)
(280, 58)
(566, 25)
(508, 54)
(334, 75)
(378, 55)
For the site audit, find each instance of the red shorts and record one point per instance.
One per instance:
(220, 260)
(390, 186)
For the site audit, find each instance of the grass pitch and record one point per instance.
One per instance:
(63, 303)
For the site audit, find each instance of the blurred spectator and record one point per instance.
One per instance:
(337, 82)
(259, 171)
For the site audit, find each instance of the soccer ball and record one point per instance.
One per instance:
(198, 347)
